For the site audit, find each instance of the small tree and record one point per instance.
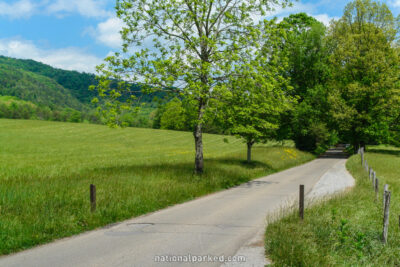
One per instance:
(173, 117)
(259, 91)
(192, 47)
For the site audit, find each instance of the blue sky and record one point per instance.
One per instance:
(78, 34)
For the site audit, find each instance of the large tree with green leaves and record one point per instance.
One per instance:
(365, 89)
(308, 69)
(188, 46)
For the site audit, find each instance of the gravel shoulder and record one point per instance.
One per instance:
(335, 180)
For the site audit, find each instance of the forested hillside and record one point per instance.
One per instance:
(33, 90)
(36, 88)
(76, 83)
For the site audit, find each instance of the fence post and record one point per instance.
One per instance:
(301, 202)
(92, 198)
(386, 217)
(385, 189)
(376, 188)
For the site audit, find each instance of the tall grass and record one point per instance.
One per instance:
(346, 230)
(46, 169)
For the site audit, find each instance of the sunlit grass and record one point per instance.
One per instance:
(46, 169)
(346, 230)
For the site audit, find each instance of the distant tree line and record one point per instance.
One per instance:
(17, 109)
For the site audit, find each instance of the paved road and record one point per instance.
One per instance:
(215, 225)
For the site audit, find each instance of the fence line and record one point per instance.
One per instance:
(386, 194)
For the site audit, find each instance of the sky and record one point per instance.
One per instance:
(79, 34)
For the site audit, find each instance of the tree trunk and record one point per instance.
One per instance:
(198, 141)
(249, 146)
(356, 146)
(362, 144)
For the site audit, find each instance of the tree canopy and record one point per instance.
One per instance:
(364, 94)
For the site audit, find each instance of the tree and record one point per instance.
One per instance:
(192, 47)
(309, 122)
(173, 117)
(365, 92)
(259, 91)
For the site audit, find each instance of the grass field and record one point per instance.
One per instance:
(46, 169)
(346, 230)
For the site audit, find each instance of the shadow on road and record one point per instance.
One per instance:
(335, 153)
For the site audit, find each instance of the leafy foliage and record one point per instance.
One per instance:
(173, 117)
(260, 93)
(309, 122)
(365, 96)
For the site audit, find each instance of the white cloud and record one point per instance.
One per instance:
(324, 18)
(87, 8)
(70, 58)
(108, 32)
(297, 7)
(27, 8)
(395, 3)
(18, 9)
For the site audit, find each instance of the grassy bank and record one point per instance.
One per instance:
(346, 230)
(46, 169)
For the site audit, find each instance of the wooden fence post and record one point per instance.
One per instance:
(362, 158)
(301, 202)
(386, 217)
(385, 189)
(92, 198)
(376, 188)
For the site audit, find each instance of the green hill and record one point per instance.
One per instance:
(74, 82)
(36, 88)
(57, 94)
(30, 90)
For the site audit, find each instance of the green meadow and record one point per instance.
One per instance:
(46, 169)
(347, 229)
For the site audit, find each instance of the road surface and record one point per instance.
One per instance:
(215, 225)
